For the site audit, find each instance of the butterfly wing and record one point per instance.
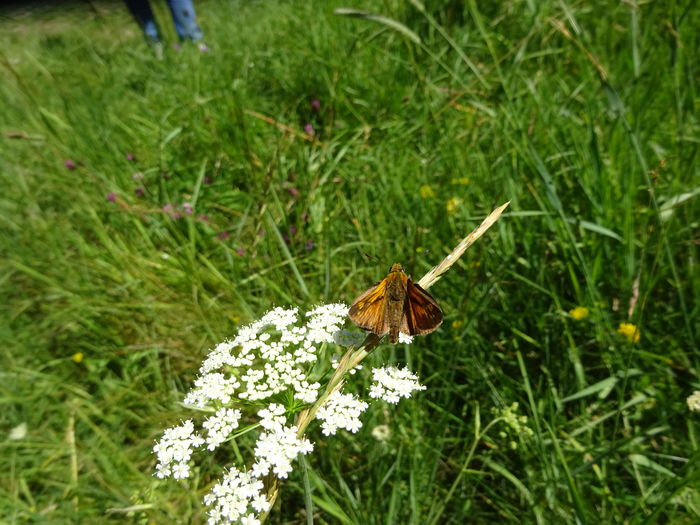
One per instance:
(368, 310)
(422, 314)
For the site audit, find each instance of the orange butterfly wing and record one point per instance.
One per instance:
(369, 312)
(422, 314)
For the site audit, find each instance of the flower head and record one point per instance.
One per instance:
(309, 245)
(315, 105)
(220, 425)
(130, 156)
(341, 411)
(235, 497)
(309, 130)
(175, 449)
(426, 192)
(391, 384)
(78, 357)
(112, 197)
(578, 313)
(69, 164)
(630, 331)
(694, 401)
(452, 204)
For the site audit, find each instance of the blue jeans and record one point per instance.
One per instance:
(183, 17)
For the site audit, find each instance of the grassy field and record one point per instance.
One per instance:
(151, 207)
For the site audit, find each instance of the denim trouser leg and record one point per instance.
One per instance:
(141, 11)
(185, 19)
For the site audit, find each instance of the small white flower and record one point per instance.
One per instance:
(220, 426)
(405, 338)
(275, 451)
(391, 384)
(250, 519)
(272, 417)
(381, 432)
(229, 500)
(212, 387)
(694, 401)
(175, 449)
(341, 411)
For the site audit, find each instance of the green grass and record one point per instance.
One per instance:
(584, 115)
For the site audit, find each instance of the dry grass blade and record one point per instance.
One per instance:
(433, 275)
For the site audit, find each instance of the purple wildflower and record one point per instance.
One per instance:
(112, 197)
(69, 164)
(202, 217)
(293, 192)
(309, 245)
(139, 191)
(222, 235)
(309, 129)
(261, 233)
(130, 156)
(240, 252)
(171, 211)
(177, 46)
(292, 230)
(208, 180)
(187, 208)
(315, 105)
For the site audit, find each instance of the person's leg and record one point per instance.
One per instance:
(141, 11)
(185, 19)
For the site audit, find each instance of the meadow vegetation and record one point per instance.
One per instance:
(151, 207)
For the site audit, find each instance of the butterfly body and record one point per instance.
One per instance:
(396, 304)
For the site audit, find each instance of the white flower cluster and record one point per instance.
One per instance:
(276, 449)
(175, 449)
(341, 411)
(694, 401)
(268, 357)
(237, 497)
(220, 425)
(267, 363)
(391, 384)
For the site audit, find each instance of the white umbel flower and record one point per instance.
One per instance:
(230, 500)
(276, 449)
(175, 449)
(391, 384)
(694, 401)
(212, 387)
(220, 425)
(341, 411)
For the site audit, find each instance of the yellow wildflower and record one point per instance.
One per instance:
(578, 313)
(630, 331)
(463, 181)
(457, 324)
(453, 204)
(78, 357)
(420, 249)
(426, 192)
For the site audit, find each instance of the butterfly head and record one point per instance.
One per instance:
(396, 267)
